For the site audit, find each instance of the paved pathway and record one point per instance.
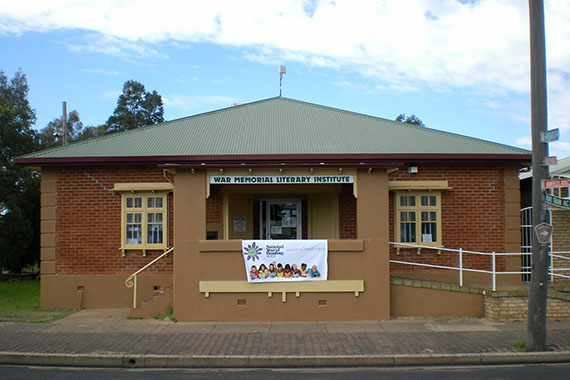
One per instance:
(102, 333)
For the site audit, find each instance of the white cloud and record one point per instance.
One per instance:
(560, 149)
(185, 102)
(110, 45)
(525, 141)
(480, 46)
(101, 71)
(112, 94)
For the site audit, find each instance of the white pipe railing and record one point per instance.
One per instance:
(493, 272)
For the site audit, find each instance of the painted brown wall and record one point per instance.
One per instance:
(372, 227)
(189, 229)
(192, 265)
(48, 221)
(408, 301)
(97, 291)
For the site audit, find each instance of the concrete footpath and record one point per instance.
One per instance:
(106, 338)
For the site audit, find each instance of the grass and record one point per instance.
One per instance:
(519, 345)
(20, 302)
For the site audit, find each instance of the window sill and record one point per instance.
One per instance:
(143, 250)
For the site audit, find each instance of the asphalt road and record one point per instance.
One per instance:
(533, 372)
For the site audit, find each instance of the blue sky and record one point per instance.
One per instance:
(460, 66)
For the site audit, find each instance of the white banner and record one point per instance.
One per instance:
(285, 260)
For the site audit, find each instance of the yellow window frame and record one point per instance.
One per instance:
(145, 211)
(418, 208)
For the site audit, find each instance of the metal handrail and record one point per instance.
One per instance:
(131, 281)
(493, 272)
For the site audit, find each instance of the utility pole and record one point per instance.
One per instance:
(536, 334)
(64, 122)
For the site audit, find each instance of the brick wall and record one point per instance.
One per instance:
(560, 220)
(473, 216)
(89, 221)
(516, 308)
(347, 213)
(214, 205)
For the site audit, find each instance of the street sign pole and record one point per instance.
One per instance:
(536, 333)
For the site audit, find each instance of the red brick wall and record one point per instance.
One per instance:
(346, 213)
(214, 205)
(89, 222)
(473, 216)
(89, 217)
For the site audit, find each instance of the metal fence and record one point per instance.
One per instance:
(461, 269)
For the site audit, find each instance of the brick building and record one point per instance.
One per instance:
(196, 187)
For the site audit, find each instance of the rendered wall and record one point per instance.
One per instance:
(407, 301)
(224, 262)
(96, 291)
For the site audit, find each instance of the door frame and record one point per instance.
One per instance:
(268, 202)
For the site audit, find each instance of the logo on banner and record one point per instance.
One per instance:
(252, 251)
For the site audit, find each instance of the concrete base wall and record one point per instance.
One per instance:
(408, 301)
(96, 291)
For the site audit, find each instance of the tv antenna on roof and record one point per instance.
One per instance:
(282, 71)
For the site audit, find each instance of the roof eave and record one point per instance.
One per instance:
(298, 160)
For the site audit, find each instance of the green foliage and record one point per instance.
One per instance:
(20, 302)
(170, 313)
(51, 135)
(91, 131)
(136, 108)
(519, 345)
(413, 119)
(19, 187)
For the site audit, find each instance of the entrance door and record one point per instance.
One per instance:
(280, 219)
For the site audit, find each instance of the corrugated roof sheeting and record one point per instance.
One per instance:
(277, 126)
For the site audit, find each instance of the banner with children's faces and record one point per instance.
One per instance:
(285, 260)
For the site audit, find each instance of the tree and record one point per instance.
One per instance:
(413, 119)
(19, 187)
(91, 131)
(136, 108)
(51, 135)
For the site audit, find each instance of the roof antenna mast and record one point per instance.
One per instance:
(282, 71)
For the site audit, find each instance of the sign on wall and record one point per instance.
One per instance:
(285, 260)
(279, 180)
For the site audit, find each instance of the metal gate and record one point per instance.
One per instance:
(526, 240)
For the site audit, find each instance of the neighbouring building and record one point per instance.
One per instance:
(557, 198)
(274, 169)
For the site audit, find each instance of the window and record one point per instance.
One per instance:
(144, 219)
(418, 218)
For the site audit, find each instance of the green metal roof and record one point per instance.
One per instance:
(274, 127)
(562, 167)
